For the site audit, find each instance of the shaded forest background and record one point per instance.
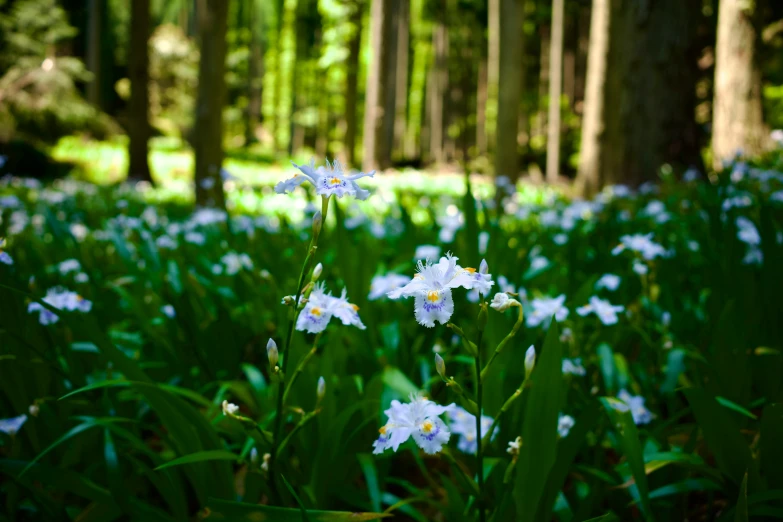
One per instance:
(600, 92)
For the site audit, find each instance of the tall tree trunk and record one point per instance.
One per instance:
(97, 10)
(539, 128)
(139, 106)
(493, 72)
(509, 88)
(641, 92)
(286, 66)
(379, 98)
(438, 83)
(255, 69)
(738, 123)
(352, 82)
(210, 99)
(555, 91)
(401, 76)
(481, 109)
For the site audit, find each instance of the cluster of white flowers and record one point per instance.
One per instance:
(432, 284)
(641, 244)
(608, 281)
(544, 308)
(634, 404)
(564, 425)
(322, 306)
(61, 299)
(419, 419)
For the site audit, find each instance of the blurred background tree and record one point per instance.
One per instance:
(599, 91)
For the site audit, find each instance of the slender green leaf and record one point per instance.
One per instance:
(201, 456)
(240, 512)
(741, 511)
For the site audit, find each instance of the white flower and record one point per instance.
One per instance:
(235, 262)
(81, 277)
(5, 258)
(383, 284)
(634, 403)
(328, 180)
(564, 425)
(641, 243)
(640, 268)
(62, 300)
(747, 231)
(754, 256)
(431, 287)
(426, 252)
(165, 242)
(168, 311)
(514, 445)
(574, 367)
(463, 424)
(230, 409)
(560, 239)
(546, 307)
(482, 280)
(538, 263)
(608, 281)
(502, 302)
(420, 419)
(12, 425)
(320, 308)
(68, 266)
(606, 311)
(195, 238)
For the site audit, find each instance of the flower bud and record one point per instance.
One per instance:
(230, 409)
(502, 302)
(318, 221)
(254, 456)
(321, 389)
(317, 271)
(483, 267)
(530, 360)
(481, 322)
(272, 353)
(288, 300)
(440, 366)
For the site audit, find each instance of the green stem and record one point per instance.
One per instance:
(506, 405)
(307, 418)
(504, 342)
(300, 367)
(479, 442)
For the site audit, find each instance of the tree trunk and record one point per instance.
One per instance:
(96, 10)
(208, 135)
(481, 109)
(401, 76)
(493, 72)
(139, 105)
(437, 88)
(555, 91)
(379, 98)
(509, 88)
(255, 75)
(738, 123)
(352, 83)
(641, 92)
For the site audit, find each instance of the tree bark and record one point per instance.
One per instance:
(97, 11)
(255, 75)
(379, 99)
(555, 91)
(139, 105)
(493, 72)
(401, 76)
(509, 88)
(438, 82)
(641, 92)
(208, 135)
(738, 122)
(352, 83)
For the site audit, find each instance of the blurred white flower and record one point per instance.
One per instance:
(68, 266)
(383, 284)
(483, 242)
(168, 311)
(514, 446)
(463, 424)
(640, 268)
(431, 287)
(62, 300)
(426, 252)
(235, 262)
(13, 425)
(328, 180)
(195, 238)
(5, 258)
(229, 409)
(606, 311)
(641, 243)
(573, 367)
(747, 231)
(609, 281)
(420, 419)
(564, 425)
(165, 242)
(81, 277)
(546, 307)
(634, 403)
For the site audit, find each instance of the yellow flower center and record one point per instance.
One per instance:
(433, 296)
(355, 308)
(427, 426)
(335, 180)
(316, 311)
(470, 270)
(382, 430)
(418, 276)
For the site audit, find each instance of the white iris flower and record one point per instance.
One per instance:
(634, 403)
(432, 286)
(606, 311)
(463, 423)
(322, 306)
(328, 180)
(420, 419)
